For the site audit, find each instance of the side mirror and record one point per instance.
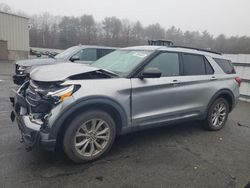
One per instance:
(75, 58)
(151, 72)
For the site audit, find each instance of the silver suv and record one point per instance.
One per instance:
(82, 108)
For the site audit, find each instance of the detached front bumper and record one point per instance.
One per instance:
(33, 132)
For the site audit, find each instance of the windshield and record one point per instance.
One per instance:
(66, 53)
(121, 62)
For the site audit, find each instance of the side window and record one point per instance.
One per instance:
(103, 52)
(193, 64)
(225, 65)
(168, 63)
(209, 69)
(87, 54)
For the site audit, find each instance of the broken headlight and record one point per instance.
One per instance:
(23, 69)
(63, 93)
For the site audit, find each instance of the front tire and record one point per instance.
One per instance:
(89, 136)
(217, 115)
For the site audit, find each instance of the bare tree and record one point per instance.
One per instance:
(62, 32)
(155, 31)
(112, 27)
(87, 29)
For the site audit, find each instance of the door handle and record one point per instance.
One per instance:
(213, 78)
(175, 83)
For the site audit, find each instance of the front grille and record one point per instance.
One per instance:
(32, 97)
(37, 104)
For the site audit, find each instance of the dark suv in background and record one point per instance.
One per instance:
(78, 54)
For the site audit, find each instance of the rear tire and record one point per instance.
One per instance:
(217, 115)
(89, 136)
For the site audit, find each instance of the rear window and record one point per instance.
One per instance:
(225, 65)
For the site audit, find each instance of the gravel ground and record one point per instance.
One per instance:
(182, 155)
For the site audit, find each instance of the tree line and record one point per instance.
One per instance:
(61, 32)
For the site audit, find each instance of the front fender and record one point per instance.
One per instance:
(81, 103)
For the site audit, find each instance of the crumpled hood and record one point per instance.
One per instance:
(59, 72)
(35, 62)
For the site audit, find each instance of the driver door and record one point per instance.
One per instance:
(157, 100)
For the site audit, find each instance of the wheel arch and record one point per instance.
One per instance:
(223, 93)
(103, 103)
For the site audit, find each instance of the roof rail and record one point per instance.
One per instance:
(204, 50)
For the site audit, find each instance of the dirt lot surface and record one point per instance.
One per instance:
(182, 155)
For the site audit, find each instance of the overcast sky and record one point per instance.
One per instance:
(231, 17)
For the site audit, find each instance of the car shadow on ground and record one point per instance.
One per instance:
(130, 142)
(126, 147)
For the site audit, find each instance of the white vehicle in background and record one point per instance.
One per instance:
(77, 54)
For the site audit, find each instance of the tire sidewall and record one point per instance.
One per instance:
(209, 116)
(69, 136)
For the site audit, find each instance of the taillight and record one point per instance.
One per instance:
(238, 80)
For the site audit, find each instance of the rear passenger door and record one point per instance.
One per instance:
(197, 83)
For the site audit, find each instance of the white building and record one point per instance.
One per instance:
(14, 36)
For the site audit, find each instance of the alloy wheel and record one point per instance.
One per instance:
(219, 114)
(92, 137)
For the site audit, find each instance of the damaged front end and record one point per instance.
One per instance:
(33, 103)
(39, 102)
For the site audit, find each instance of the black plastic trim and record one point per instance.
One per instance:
(220, 92)
(198, 49)
(94, 100)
